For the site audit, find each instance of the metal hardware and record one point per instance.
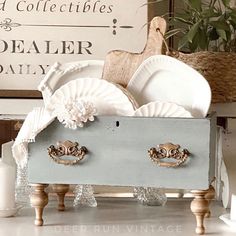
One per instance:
(168, 151)
(67, 148)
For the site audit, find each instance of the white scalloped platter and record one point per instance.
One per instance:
(106, 97)
(227, 220)
(224, 178)
(10, 211)
(60, 74)
(162, 109)
(166, 79)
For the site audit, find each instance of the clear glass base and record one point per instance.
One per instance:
(150, 196)
(84, 196)
(23, 189)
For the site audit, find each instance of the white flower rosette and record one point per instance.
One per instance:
(74, 113)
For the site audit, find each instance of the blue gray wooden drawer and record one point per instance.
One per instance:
(118, 153)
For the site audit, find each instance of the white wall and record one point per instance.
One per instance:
(17, 108)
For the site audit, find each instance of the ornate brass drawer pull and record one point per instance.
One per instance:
(168, 151)
(67, 148)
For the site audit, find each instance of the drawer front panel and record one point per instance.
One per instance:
(118, 153)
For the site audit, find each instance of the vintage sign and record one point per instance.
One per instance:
(36, 33)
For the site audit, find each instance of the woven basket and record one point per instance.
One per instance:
(219, 68)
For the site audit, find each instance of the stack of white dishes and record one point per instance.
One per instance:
(76, 89)
(164, 79)
(78, 101)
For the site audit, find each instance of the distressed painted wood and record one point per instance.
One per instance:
(118, 156)
(120, 65)
(118, 153)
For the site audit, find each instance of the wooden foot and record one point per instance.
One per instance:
(209, 197)
(199, 207)
(61, 190)
(180, 193)
(39, 199)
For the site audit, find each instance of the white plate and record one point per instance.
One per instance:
(225, 194)
(163, 78)
(162, 109)
(60, 74)
(9, 212)
(106, 97)
(228, 221)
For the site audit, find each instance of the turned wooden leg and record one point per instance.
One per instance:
(199, 207)
(209, 197)
(61, 190)
(39, 199)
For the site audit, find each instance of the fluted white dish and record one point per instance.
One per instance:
(162, 109)
(166, 79)
(105, 97)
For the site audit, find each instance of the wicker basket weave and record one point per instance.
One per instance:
(219, 68)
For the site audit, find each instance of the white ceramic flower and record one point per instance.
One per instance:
(74, 113)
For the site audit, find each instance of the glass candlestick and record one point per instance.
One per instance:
(150, 196)
(84, 196)
(23, 189)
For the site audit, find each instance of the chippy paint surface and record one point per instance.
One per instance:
(118, 156)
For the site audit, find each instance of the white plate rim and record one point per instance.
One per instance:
(158, 62)
(185, 114)
(51, 77)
